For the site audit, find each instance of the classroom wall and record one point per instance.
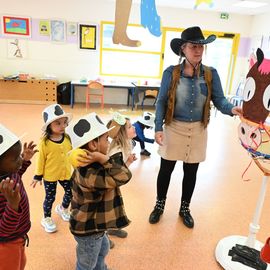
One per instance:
(66, 61)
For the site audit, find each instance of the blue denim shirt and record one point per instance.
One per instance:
(191, 96)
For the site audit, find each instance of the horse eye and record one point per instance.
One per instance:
(249, 89)
(266, 98)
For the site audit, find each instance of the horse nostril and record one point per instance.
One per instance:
(253, 136)
(243, 131)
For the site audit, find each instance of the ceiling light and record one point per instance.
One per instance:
(249, 4)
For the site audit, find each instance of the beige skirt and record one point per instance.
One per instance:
(184, 141)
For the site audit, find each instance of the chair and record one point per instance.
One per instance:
(96, 90)
(237, 99)
(150, 94)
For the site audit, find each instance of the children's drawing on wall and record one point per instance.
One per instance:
(58, 30)
(44, 27)
(16, 48)
(149, 19)
(72, 28)
(88, 36)
(199, 2)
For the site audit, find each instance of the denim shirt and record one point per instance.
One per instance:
(191, 96)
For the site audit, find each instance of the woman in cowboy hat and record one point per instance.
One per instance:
(182, 116)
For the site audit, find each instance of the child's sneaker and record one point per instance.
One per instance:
(145, 153)
(48, 224)
(62, 212)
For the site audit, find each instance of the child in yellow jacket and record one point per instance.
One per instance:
(53, 165)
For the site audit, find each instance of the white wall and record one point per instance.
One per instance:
(67, 61)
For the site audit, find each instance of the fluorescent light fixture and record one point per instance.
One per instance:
(250, 4)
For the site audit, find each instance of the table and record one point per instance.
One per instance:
(107, 84)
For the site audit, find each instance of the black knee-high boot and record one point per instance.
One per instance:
(184, 213)
(158, 211)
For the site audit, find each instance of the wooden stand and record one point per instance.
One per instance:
(29, 91)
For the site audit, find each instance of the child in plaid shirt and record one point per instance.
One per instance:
(97, 203)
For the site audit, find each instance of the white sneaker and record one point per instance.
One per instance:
(62, 212)
(48, 224)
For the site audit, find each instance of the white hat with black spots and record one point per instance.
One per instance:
(147, 119)
(52, 113)
(7, 139)
(86, 129)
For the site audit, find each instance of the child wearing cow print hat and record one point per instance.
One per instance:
(97, 203)
(144, 122)
(53, 165)
(14, 206)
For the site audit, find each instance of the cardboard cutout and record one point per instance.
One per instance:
(238, 252)
(149, 19)
(255, 127)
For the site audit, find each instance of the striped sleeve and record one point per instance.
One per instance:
(14, 224)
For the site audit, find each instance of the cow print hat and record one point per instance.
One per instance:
(7, 139)
(147, 119)
(52, 113)
(86, 129)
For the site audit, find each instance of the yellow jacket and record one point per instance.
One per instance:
(52, 160)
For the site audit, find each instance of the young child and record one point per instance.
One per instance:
(53, 165)
(14, 206)
(146, 121)
(121, 135)
(97, 203)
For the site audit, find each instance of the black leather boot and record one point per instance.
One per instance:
(157, 212)
(184, 213)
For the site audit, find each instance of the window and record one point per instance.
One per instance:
(118, 60)
(155, 54)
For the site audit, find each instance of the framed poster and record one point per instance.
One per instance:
(72, 28)
(88, 36)
(58, 31)
(44, 28)
(19, 26)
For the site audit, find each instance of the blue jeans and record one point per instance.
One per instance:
(91, 251)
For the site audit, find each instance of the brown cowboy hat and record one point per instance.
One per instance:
(193, 35)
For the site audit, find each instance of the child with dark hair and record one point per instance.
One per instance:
(144, 122)
(97, 203)
(53, 165)
(14, 206)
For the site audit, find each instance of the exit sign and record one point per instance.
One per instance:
(224, 16)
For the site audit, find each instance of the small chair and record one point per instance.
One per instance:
(237, 99)
(150, 94)
(96, 90)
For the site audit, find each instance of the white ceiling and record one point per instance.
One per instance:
(218, 6)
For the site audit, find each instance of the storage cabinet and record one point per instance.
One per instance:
(30, 91)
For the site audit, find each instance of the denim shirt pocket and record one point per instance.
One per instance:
(204, 90)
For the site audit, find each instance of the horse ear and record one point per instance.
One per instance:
(260, 56)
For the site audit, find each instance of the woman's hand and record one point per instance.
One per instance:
(159, 137)
(237, 111)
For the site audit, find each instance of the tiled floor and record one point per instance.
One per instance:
(223, 203)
